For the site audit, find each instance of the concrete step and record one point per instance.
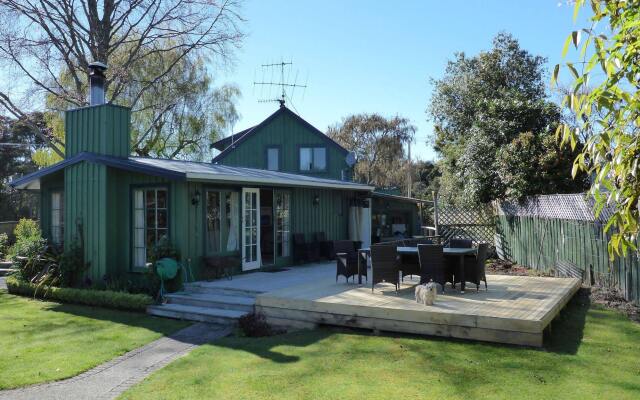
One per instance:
(193, 313)
(203, 288)
(239, 303)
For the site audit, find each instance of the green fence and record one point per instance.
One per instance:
(540, 242)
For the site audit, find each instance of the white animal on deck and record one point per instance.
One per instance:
(426, 294)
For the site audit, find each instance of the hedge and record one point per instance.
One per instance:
(97, 298)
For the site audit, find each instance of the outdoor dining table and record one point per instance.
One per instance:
(459, 252)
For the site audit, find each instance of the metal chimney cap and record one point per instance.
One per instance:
(97, 65)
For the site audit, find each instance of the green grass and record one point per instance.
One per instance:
(43, 341)
(591, 354)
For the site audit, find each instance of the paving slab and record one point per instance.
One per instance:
(109, 380)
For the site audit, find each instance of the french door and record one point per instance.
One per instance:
(250, 228)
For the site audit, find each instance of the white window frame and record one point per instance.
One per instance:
(139, 222)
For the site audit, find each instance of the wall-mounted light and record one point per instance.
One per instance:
(195, 200)
(316, 200)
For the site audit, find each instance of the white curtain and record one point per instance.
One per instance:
(232, 240)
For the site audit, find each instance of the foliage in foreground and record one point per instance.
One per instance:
(97, 298)
(609, 114)
(45, 341)
(591, 354)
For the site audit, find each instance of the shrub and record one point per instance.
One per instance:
(27, 228)
(4, 245)
(71, 266)
(255, 325)
(96, 298)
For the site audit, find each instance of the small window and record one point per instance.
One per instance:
(313, 159)
(273, 159)
(150, 222)
(57, 217)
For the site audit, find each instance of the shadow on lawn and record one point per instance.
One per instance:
(135, 319)
(565, 337)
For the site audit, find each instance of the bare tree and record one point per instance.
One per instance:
(49, 44)
(379, 146)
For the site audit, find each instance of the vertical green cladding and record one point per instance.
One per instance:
(102, 129)
(86, 214)
(287, 134)
(329, 214)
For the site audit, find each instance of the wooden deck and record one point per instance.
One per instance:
(513, 310)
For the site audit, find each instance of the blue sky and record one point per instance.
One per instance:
(375, 56)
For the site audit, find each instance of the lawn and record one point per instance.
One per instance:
(591, 354)
(44, 341)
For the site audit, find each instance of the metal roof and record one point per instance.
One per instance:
(398, 197)
(194, 171)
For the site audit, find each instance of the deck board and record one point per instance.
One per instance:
(514, 309)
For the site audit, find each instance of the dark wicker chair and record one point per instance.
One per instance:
(301, 249)
(409, 263)
(474, 267)
(461, 243)
(325, 247)
(432, 265)
(384, 265)
(347, 259)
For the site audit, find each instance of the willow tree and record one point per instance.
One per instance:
(46, 46)
(609, 66)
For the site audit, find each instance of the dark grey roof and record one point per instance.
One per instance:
(225, 142)
(189, 170)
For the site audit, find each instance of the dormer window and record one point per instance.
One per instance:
(313, 159)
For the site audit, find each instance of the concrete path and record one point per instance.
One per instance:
(110, 379)
(3, 283)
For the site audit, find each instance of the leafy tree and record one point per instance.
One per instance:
(482, 105)
(610, 55)
(47, 46)
(17, 141)
(379, 146)
(426, 179)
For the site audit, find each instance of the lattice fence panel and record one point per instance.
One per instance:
(471, 222)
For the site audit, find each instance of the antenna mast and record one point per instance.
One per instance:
(282, 83)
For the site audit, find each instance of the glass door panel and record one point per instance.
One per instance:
(250, 229)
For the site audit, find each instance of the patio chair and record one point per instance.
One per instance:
(347, 260)
(384, 265)
(432, 265)
(409, 263)
(461, 243)
(301, 249)
(325, 247)
(410, 242)
(474, 267)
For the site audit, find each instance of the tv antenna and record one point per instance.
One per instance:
(283, 83)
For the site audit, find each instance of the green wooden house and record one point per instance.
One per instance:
(286, 142)
(280, 177)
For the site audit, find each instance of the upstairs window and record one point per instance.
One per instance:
(57, 217)
(150, 222)
(313, 159)
(273, 159)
